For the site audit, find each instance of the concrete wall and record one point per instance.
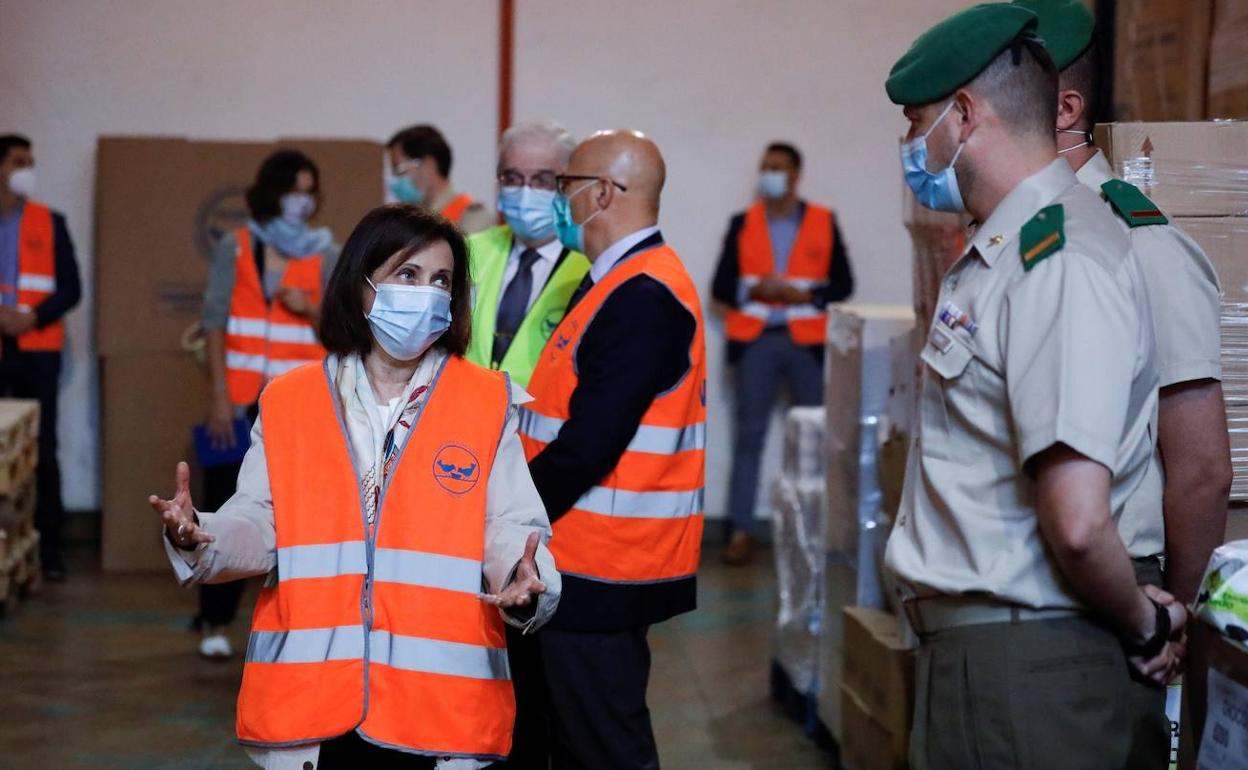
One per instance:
(711, 80)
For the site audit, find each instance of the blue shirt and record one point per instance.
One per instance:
(783, 232)
(10, 229)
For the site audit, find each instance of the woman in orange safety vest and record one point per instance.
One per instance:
(260, 313)
(386, 497)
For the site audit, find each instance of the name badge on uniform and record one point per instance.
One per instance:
(953, 317)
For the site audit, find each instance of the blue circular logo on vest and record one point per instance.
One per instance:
(456, 469)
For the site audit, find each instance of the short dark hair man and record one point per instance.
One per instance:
(782, 262)
(39, 284)
(1037, 647)
(420, 168)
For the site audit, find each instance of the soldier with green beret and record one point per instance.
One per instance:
(1037, 647)
(1193, 455)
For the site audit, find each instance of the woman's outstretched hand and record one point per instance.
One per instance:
(525, 587)
(178, 514)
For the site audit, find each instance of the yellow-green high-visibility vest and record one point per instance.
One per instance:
(488, 251)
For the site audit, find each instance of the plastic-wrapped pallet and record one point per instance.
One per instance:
(868, 397)
(803, 444)
(1197, 173)
(797, 535)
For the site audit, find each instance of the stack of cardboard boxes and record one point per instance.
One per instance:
(19, 541)
(877, 691)
(161, 205)
(1198, 174)
(1180, 60)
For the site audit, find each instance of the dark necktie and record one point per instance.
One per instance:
(514, 305)
(586, 284)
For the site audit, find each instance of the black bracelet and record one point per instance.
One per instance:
(1157, 642)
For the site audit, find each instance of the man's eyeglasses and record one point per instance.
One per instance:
(542, 180)
(563, 182)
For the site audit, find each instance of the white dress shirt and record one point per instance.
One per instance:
(616, 251)
(548, 257)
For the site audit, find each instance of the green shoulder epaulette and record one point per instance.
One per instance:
(1132, 205)
(1043, 235)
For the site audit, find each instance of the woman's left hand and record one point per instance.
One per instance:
(525, 586)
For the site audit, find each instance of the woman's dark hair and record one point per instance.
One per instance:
(275, 178)
(381, 234)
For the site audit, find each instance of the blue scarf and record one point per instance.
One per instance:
(291, 238)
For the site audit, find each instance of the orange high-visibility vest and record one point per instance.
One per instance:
(643, 522)
(263, 339)
(36, 275)
(384, 632)
(809, 262)
(454, 210)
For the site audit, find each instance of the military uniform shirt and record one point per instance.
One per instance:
(1184, 293)
(1062, 353)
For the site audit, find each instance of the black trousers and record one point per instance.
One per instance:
(597, 685)
(37, 375)
(351, 752)
(218, 603)
(530, 745)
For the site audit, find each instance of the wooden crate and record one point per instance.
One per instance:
(17, 469)
(19, 424)
(17, 511)
(20, 572)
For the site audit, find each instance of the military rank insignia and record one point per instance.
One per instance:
(1132, 205)
(1043, 235)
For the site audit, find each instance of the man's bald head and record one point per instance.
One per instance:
(630, 172)
(628, 157)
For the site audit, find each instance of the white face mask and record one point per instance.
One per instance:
(22, 182)
(407, 320)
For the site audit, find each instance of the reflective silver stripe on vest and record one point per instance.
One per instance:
(251, 362)
(641, 505)
(277, 367)
(32, 282)
(308, 645)
(246, 327)
(652, 439)
(321, 561)
(426, 569)
(432, 656)
(259, 328)
(668, 441)
(539, 427)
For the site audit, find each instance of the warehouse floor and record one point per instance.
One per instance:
(99, 673)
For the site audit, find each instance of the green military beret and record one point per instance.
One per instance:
(952, 53)
(1066, 26)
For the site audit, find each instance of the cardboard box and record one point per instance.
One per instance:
(161, 205)
(1161, 59)
(879, 670)
(866, 744)
(1188, 169)
(1210, 651)
(150, 403)
(1228, 60)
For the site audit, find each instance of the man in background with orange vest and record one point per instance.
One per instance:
(38, 286)
(420, 174)
(783, 261)
(616, 439)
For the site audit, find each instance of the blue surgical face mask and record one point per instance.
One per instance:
(571, 234)
(773, 184)
(935, 190)
(404, 190)
(297, 207)
(407, 320)
(529, 213)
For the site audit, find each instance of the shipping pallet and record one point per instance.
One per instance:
(19, 424)
(17, 511)
(17, 468)
(802, 708)
(21, 575)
